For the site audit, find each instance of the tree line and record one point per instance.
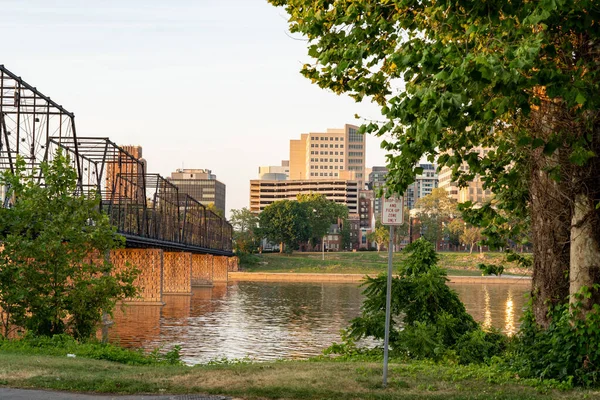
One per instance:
(290, 223)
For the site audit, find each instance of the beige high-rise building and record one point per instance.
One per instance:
(335, 154)
(474, 192)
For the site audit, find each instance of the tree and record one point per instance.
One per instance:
(454, 229)
(470, 237)
(381, 235)
(217, 211)
(54, 275)
(322, 213)
(245, 230)
(519, 78)
(285, 222)
(434, 211)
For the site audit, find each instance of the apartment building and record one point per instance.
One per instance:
(265, 192)
(335, 154)
(422, 186)
(474, 192)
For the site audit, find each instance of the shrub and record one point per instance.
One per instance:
(431, 318)
(568, 350)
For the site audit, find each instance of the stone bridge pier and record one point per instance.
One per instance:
(166, 273)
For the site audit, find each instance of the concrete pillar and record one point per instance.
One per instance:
(233, 264)
(150, 279)
(202, 269)
(220, 269)
(177, 273)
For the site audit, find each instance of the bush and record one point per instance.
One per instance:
(433, 319)
(568, 350)
(479, 346)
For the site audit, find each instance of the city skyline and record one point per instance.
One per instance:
(196, 84)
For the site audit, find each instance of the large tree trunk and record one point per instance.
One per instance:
(550, 215)
(585, 252)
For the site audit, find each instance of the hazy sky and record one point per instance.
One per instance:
(198, 83)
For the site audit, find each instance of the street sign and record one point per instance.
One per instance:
(392, 211)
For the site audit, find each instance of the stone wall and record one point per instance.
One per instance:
(177, 275)
(233, 264)
(220, 266)
(202, 269)
(150, 264)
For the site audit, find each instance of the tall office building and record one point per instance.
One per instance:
(275, 172)
(335, 154)
(200, 184)
(473, 192)
(264, 192)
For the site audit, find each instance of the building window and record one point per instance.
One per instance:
(331, 146)
(341, 146)
(354, 136)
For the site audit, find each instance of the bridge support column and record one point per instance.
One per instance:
(177, 273)
(220, 269)
(150, 264)
(202, 269)
(233, 264)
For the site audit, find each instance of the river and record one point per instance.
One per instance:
(273, 320)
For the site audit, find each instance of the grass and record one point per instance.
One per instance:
(277, 380)
(457, 264)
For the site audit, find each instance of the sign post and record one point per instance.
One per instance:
(392, 215)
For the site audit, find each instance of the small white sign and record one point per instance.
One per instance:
(392, 211)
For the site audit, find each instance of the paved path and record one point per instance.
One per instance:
(26, 394)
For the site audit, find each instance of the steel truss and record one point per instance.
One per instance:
(27, 119)
(146, 208)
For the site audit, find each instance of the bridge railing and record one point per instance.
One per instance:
(142, 205)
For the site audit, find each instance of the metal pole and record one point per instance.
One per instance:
(323, 248)
(388, 306)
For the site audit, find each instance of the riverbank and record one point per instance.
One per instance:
(357, 278)
(369, 263)
(276, 380)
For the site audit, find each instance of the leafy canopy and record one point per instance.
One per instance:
(452, 75)
(54, 276)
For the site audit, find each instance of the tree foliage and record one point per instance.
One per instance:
(54, 276)
(433, 319)
(322, 214)
(519, 78)
(285, 222)
(245, 230)
(381, 235)
(435, 211)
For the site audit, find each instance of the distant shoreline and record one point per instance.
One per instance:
(357, 278)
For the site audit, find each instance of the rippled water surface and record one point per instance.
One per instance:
(271, 320)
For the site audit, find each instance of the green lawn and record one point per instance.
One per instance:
(369, 262)
(277, 380)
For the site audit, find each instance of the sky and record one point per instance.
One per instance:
(197, 83)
